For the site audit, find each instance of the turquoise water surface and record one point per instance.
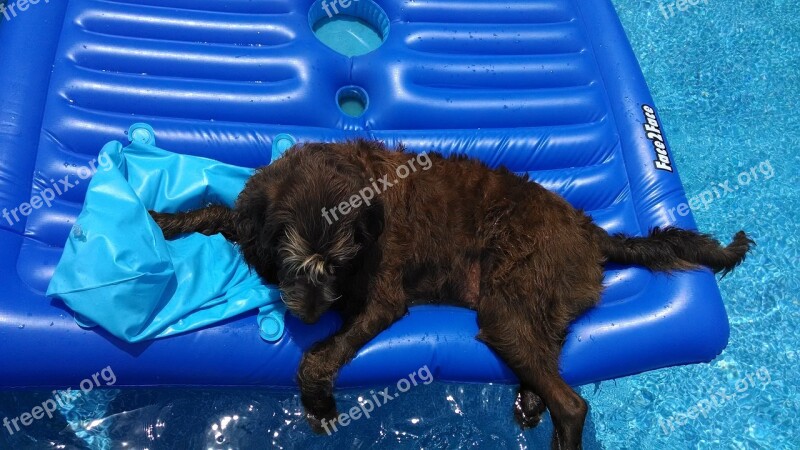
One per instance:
(725, 78)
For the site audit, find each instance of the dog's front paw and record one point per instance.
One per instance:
(528, 409)
(157, 216)
(160, 218)
(323, 423)
(165, 221)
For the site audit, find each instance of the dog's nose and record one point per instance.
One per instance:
(308, 320)
(310, 317)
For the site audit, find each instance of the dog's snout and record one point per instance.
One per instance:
(305, 300)
(309, 319)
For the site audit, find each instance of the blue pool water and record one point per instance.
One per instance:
(348, 36)
(725, 78)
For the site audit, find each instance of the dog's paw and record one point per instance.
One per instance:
(158, 217)
(322, 423)
(163, 222)
(528, 409)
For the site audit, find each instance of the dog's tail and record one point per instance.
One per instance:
(671, 248)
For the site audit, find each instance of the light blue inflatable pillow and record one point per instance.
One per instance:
(117, 270)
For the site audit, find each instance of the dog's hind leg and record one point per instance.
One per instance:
(209, 220)
(528, 408)
(532, 354)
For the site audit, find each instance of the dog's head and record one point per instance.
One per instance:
(292, 232)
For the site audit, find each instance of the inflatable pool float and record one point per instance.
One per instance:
(545, 87)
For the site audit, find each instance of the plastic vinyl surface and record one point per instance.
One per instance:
(118, 272)
(547, 87)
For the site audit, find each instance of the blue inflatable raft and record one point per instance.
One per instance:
(547, 87)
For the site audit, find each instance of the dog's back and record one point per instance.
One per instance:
(455, 213)
(456, 222)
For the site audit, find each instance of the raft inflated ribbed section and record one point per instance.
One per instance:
(545, 87)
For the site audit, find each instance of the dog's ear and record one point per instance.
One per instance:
(251, 212)
(256, 222)
(257, 231)
(369, 224)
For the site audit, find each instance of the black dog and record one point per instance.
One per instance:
(327, 224)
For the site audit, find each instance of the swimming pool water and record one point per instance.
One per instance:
(725, 78)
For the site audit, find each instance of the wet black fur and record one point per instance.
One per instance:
(459, 233)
